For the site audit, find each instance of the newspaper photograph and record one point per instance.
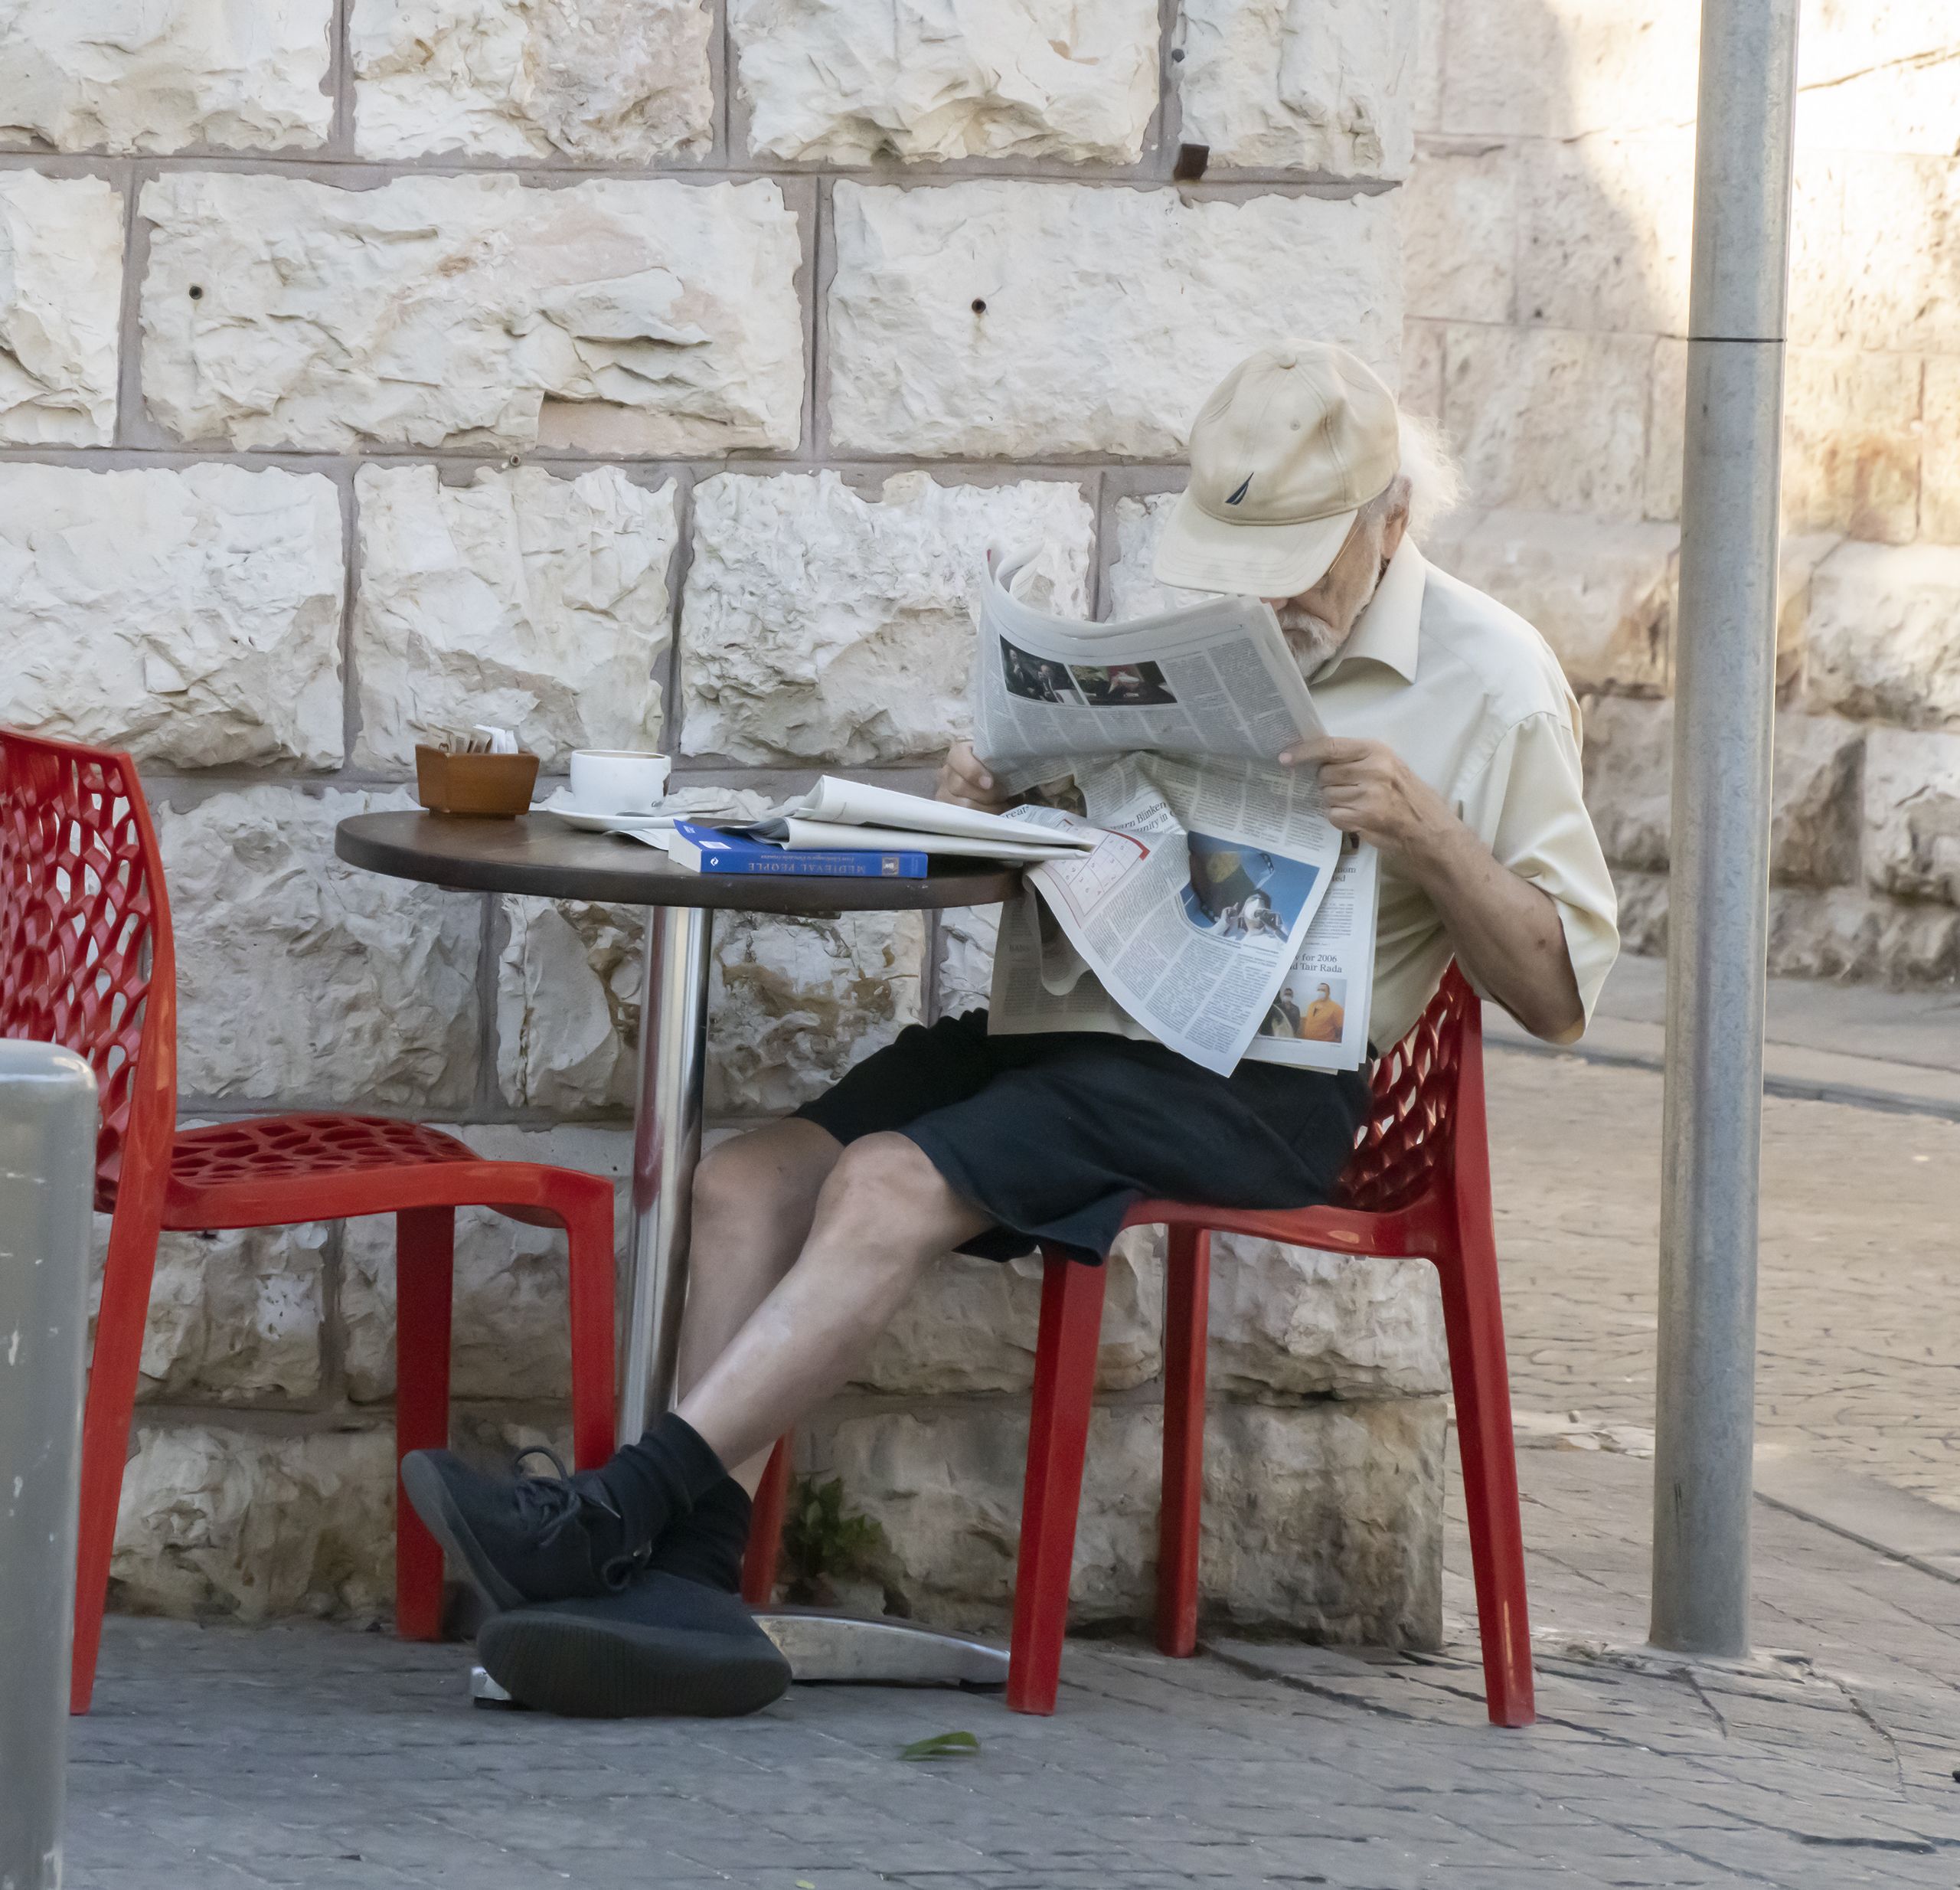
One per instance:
(1190, 924)
(1215, 679)
(1319, 1019)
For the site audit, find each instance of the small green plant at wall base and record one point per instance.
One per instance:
(822, 1544)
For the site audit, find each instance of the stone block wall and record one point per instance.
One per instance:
(1548, 214)
(638, 372)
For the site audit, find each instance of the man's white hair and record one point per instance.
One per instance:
(1435, 480)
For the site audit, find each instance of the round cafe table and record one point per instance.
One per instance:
(547, 858)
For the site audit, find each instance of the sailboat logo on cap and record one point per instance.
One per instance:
(1241, 493)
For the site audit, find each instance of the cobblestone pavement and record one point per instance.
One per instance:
(1858, 1296)
(318, 1757)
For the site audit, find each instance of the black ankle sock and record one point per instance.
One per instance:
(709, 1546)
(659, 1480)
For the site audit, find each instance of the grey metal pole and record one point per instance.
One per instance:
(47, 1122)
(1717, 919)
(667, 1143)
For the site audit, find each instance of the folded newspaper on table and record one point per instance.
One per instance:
(1217, 905)
(837, 813)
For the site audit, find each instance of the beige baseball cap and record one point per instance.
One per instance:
(1290, 445)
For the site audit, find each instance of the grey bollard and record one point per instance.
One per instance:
(47, 1126)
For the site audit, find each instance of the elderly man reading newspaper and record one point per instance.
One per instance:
(1448, 744)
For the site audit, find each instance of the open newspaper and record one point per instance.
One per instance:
(1217, 906)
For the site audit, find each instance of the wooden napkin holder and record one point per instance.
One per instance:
(491, 786)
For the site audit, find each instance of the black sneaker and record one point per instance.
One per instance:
(522, 1538)
(664, 1646)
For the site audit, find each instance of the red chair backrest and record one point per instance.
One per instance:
(1411, 1114)
(86, 958)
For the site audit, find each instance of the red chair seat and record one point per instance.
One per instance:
(322, 1167)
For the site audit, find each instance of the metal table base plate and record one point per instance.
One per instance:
(821, 1647)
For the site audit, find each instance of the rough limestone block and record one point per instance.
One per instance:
(127, 75)
(1325, 86)
(1629, 763)
(602, 81)
(1877, 75)
(1643, 913)
(1847, 933)
(60, 298)
(1814, 799)
(1422, 369)
(1324, 1519)
(217, 1522)
(1939, 465)
(1883, 635)
(1075, 79)
(1287, 1321)
(531, 602)
(568, 1004)
(191, 615)
(972, 1323)
(1459, 234)
(299, 976)
(820, 626)
(511, 1337)
(795, 1002)
(967, 935)
(1549, 420)
(1600, 594)
(646, 317)
(1130, 589)
(1902, 250)
(1566, 68)
(1666, 429)
(234, 1316)
(1911, 813)
(1105, 316)
(1604, 227)
(1821, 259)
(1851, 431)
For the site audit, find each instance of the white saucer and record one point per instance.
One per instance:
(569, 811)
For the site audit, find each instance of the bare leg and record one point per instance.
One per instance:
(754, 1198)
(882, 1218)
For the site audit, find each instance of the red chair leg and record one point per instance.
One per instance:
(1057, 1443)
(588, 1244)
(766, 1528)
(110, 1406)
(1187, 1293)
(425, 1253)
(1473, 1318)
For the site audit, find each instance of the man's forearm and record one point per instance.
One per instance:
(1506, 930)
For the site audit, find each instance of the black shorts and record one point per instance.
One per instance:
(1058, 1135)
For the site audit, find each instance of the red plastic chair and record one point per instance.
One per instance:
(1419, 1186)
(86, 961)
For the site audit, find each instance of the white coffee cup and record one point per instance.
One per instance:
(617, 780)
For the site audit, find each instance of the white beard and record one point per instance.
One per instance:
(1310, 639)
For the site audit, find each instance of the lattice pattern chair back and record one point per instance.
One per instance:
(86, 959)
(1410, 1124)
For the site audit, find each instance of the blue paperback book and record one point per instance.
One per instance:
(715, 850)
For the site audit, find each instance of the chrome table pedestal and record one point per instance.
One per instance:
(540, 856)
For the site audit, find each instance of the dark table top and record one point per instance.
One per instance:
(540, 854)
